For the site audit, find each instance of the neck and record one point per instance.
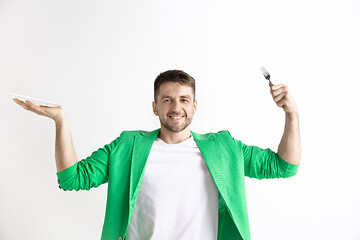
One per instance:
(174, 137)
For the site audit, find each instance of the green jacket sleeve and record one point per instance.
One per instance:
(89, 172)
(264, 163)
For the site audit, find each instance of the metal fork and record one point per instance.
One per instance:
(266, 74)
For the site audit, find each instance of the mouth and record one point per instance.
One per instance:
(176, 118)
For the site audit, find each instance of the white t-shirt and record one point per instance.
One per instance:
(178, 198)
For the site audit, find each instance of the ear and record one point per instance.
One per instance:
(155, 109)
(195, 106)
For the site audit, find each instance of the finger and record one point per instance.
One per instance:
(17, 100)
(277, 86)
(21, 103)
(279, 91)
(34, 108)
(27, 105)
(282, 102)
(279, 96)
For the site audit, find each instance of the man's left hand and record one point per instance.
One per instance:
(283, 98)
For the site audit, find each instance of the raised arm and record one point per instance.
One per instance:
(72, 174)
(290, 146)
(65, 155)
(64, 150)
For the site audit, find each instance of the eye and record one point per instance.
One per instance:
(185, 100)
(166, 100)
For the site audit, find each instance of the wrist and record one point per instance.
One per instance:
(59, 119)
(292, 116)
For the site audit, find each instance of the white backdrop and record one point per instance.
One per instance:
(100, 58)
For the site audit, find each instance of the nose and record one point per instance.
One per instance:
(176, 106)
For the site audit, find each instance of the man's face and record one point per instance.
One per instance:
(175, 106)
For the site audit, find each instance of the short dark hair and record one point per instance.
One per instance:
(177, 76)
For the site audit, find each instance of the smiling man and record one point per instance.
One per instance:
(173, 183)
(175, 104)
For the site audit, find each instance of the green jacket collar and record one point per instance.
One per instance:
(142, 147)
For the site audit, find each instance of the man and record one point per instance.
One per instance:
(172, 183)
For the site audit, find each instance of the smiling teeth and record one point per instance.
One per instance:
(176, 117)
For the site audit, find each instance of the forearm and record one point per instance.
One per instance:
(64, 150)
(290, 146)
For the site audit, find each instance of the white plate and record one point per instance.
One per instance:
(35, 100)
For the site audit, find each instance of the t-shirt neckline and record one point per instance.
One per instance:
(190, 139)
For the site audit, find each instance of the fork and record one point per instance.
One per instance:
(266, 74)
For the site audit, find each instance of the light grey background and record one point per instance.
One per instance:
(100, 58)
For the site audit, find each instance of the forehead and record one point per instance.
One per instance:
(174, 89)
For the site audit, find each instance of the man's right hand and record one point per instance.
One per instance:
(55, 113)
(64, 150)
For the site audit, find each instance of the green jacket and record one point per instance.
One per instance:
(122, 162)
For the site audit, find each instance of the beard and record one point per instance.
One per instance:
(176, 127)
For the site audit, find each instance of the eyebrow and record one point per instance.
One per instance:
(183, 96)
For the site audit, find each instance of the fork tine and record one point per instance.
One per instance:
(266, 74)
(264, 71)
